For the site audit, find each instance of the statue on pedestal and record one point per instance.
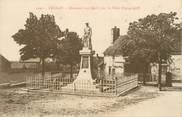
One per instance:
(84, 80)
(87, 37)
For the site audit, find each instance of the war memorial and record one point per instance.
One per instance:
(83, 83)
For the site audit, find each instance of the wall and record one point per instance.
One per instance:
(114, 62)
(23, 66)
(176, 66)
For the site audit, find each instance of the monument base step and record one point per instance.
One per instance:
(82, 84)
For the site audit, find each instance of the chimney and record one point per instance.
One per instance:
(67, 30)
(115, 33)
(97, 55)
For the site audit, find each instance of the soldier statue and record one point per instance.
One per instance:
(87, 36)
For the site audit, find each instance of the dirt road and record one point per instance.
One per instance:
(144, 102)
(167, 105)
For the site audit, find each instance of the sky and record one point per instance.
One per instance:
(102, 15)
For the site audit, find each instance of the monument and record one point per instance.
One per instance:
(84, 79)
(86, 54)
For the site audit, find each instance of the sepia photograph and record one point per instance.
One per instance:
(90, 58)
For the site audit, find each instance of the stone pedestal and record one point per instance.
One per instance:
(84, 79)
(85, 65)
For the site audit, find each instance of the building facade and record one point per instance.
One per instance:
(113, 56)
(114, 64)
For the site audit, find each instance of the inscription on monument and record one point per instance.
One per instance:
(85, 61)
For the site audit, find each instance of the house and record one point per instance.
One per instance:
(25, 65)
(113, 59)
(115, 62)
(31, 64)
(4, 64)
(113, 56)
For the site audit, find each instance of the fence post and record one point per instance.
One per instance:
(116, 85)
(74, 87)
(101, 85)
(26, 77)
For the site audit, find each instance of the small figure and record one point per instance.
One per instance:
(154, 71)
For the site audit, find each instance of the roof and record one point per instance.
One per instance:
(3, 58)
(36, 60)
(115, 49)
(31, 60)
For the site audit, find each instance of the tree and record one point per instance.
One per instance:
(137, 55)
(152, 39)
(69, 50)
(39, 38)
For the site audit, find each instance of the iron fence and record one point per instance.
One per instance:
(102, 87)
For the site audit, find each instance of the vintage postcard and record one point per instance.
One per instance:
(90, 58)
